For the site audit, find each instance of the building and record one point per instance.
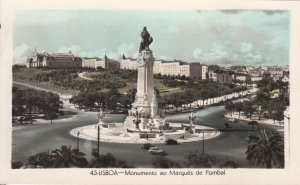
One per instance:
(156, 66)
(54, 60)
(255, 72)
(180, 68)
(212, 75)
(170, 68)
(36, 60)
(224, 78)
(90, 62)
(128, 63)
(285, 79)
(204, 70)
(191, 70)
(104, 63)
(240, 77)
(239, 69)
(256, 78)
(109, 64)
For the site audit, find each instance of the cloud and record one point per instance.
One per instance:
(212, 36)
(21, 52)
(95, 53)
(170, 29)
(217, 52)
(246, 47)
(126, 49)
(253, 57)
(75, 49)
(197, 53)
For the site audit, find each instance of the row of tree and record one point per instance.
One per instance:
(272, 110)
(68, 157)
(111, 100)
(200, 91)
(264, 104)
(28, 102)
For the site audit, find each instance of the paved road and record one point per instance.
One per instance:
(28, 140)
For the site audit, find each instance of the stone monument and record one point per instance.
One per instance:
(145, 122)
(145, 107)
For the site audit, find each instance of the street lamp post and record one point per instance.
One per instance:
(287, 116)
(192, 118)
(100, 115)
(78, 133)
(98, 140)
(203, 138)
(203, 144)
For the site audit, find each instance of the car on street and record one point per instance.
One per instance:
(156, 151)
(147, 146)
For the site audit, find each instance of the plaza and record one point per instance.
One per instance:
(45, 136)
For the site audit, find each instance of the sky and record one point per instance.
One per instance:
(226, 37)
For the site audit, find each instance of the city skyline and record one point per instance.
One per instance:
(237, 37)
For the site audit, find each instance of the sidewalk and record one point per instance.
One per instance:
(264, 121)
(81, 75)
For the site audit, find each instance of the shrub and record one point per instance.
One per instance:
(171, 142)
(162, 162)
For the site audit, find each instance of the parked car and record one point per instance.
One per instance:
(156, 151)
(147, 146)
(171, 142)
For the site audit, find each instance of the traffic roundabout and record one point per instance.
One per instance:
(117, 134)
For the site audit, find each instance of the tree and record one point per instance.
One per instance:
(66, 157)
(52, 105)
(112, 99)
(266, 148)
(42, 159)
(229, 105)
(248, 80)
(162, 162)
(18, 102)
(30, 100)
(107, 161)
(16, 164)
(248, 108)
(262, 100)
(238, 107)
(195, 159)
(128, 98)
(276, 109)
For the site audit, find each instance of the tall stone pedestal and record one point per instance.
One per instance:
(145, 85)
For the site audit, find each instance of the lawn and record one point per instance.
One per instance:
(26, 73)
(29, 75)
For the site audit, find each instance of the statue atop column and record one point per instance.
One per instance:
(146, 40)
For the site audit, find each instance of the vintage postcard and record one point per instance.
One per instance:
(129, 92)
